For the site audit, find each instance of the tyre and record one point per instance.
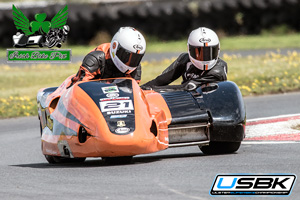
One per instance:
(220, 148)
(117, 160)
(57, 159)
(41, 44)
(41, 129)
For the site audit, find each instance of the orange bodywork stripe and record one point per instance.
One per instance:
(66, 122)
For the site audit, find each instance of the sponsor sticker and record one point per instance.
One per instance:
(112, 95)
(114, 45)
(114, 99)
(117, 105)
(122, 130)
(117, 116)
(253, 185)
(110, 89)
(138, 47)
(121, 123)
(119, 112)
(205, 40)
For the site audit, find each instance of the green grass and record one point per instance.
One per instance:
(270, 73)
(255, 75)
(261, 42)
(19, 86)
(25, 81)
(227, 43)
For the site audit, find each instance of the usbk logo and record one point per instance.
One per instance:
(245, 185)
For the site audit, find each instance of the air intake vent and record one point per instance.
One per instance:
(153, 128)
(82, 135)
(180, 99)
(184, 108)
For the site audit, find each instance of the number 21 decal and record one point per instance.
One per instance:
(116, 105)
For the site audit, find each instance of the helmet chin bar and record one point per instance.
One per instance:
(121, 66)
(202, 64)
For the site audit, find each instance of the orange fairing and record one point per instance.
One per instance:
(157, 102)
(76, 110)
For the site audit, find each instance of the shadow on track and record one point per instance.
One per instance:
(101, 163)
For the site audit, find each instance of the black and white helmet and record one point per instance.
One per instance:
(127, 49)
(204, 48)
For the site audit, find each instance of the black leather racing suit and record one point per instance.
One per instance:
(182, 66)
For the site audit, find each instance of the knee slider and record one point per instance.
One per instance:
(94, 60)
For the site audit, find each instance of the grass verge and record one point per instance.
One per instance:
(227, 43)
(255, 75)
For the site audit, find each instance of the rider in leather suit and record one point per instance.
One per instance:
(199, 66)
(120, 58)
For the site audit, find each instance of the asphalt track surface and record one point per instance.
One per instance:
(179, 173)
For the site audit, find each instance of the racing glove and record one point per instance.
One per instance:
(146, 87)
(191, 85)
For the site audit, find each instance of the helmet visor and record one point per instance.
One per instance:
(129, 58)
(204, 53)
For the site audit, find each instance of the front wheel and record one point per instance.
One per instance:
(220, 147)
(57, 159)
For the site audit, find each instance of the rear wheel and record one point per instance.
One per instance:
(57, 159)
(220, 148)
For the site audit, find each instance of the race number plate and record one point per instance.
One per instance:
(107, 106)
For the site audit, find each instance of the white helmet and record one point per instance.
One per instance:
(127, 49)
(204, 48)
